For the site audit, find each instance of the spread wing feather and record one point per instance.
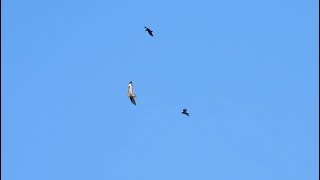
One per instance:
(132, 100)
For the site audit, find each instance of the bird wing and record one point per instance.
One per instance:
(132, 100)
(130, 89)
(184, 110)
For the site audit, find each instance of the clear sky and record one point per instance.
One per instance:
(247, 71)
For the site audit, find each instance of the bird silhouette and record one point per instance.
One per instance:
(149, 31)
(184, 111)
(130, 93)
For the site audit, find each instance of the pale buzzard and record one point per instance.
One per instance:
(130, 93)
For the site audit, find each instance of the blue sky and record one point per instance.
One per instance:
(247, 71)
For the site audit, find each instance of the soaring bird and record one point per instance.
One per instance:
(130, 93)
(149, 31)
(184, 111)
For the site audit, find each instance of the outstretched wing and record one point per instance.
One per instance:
(184, 110)
(130, 89)
(132, 100)
(150, 32)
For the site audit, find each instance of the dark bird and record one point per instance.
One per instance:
(184, 111)
(149, 31)
(130, 93)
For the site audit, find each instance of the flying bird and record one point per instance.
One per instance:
(184, 111)
(130, 93)
(149, 31)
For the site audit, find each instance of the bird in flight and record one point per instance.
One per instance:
(130, 93)
(149, 31)
(184, 111)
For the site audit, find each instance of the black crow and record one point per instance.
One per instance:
(184, 111)
(149, 31)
